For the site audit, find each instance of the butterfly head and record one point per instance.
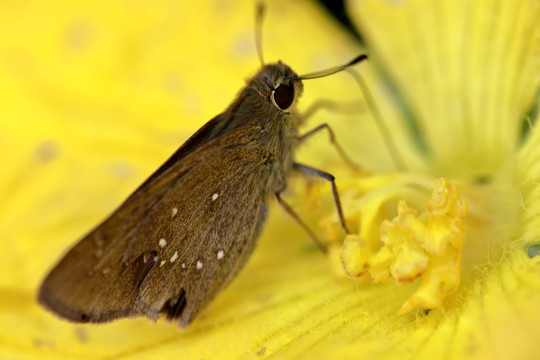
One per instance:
(279, 84)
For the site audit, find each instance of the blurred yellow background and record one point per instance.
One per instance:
(94, 96)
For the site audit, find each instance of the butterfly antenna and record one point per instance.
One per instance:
(259, 17)
(332, 70)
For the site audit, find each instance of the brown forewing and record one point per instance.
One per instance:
(121, 268)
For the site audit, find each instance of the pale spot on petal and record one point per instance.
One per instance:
(46, 151)
(121, 170)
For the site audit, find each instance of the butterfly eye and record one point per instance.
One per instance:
(283, 96)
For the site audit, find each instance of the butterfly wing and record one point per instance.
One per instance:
(174, 243)
(220, 125)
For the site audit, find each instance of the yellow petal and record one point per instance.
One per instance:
(468, 72)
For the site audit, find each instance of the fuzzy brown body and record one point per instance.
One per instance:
(188, 229)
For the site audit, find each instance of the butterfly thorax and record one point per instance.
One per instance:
(277, 92)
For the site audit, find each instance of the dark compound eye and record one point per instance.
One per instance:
(283, 96)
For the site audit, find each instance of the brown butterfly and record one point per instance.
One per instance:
(188, 229)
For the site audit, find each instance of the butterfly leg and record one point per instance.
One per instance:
(333, 141)
(308, 170)
(350, 108)
(295, 216)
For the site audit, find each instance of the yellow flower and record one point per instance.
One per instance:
(95, 96)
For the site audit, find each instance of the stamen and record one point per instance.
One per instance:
(429, 245)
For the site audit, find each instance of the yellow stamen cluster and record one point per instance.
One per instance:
(427, 245)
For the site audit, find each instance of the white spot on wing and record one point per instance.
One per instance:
(220, 254)
(174, 257)
(162, 243)
(199, 265)
(174, 211)
(215, 196)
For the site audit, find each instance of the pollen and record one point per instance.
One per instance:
(428, 245)
(163, 262)
(199, 265)
(174, 211)
(174, 257)
(220, 254)
(215, 196)
(162, 243)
